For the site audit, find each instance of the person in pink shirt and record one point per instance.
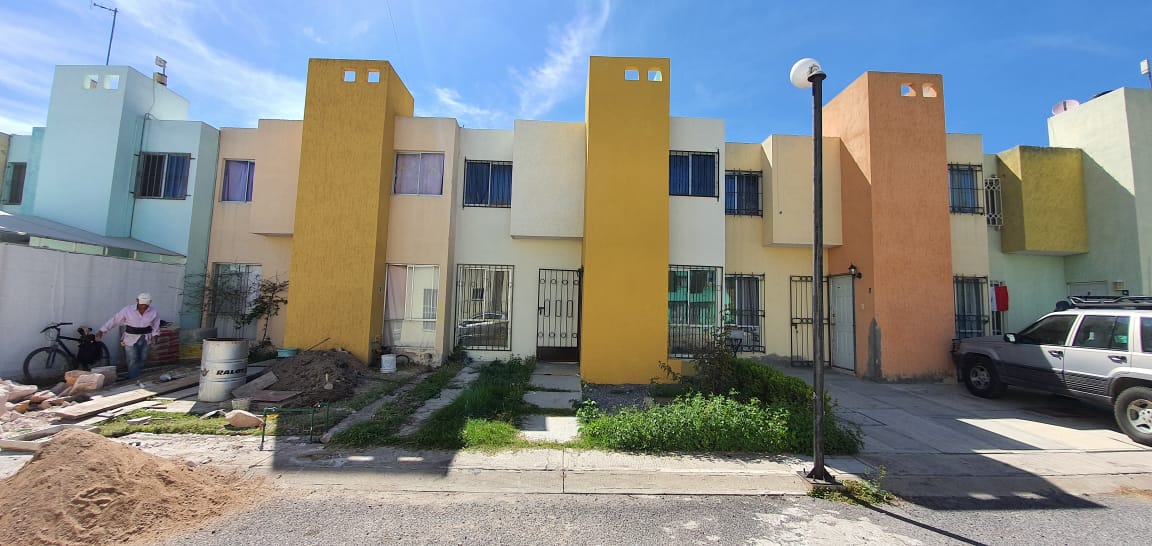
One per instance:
(141, 323)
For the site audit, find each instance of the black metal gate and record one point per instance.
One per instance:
(800, 311)
(558, 316)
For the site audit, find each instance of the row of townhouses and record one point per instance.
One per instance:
(620, 242)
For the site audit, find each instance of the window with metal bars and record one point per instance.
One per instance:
(693, 174)
(997, 317)
(993, 206)
(694, 296)
(14, 184)
(964, 188)
(487, 184)
(972, 306)
(163, 176)
(484, 322)
(234, 288)
(743, 312)
(742, 193)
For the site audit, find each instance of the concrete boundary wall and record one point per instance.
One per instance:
(39, 286)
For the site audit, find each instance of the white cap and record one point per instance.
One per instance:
(144, 298)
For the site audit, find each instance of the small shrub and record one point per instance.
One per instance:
(867, 491)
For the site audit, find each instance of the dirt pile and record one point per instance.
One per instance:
(311, 371)
(85, 489)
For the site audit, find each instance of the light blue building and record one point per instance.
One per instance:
(119, 158)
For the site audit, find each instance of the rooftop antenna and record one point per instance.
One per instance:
(1146, 70)
(114, 11)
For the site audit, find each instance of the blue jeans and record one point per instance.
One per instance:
(137, 355)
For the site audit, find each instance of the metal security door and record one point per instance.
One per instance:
(558, 316)
(842, 313)
(800, 311)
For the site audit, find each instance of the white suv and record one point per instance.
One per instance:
(1098, 350)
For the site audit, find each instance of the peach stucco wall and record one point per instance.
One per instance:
(896, 222)
(232, 238)
(420, 226)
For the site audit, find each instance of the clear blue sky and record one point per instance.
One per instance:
(1005, 64)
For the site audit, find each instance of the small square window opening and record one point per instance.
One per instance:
(112, 81)
(373, 76)
(655, 75)
(349, 75)
(632, 74)
(91, 81)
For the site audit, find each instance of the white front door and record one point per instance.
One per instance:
(841, 304)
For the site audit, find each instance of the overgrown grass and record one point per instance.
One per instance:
(867, 491)
(730, 404)
(485, 433)
(283, 424)
(382, 429)
(497, 396)
(384, 388)
(170, 423)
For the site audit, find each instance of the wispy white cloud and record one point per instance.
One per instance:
(558, 78)
(254, 91)
(310, 33)
(450, 105)
(1072, 43)
(359, 29)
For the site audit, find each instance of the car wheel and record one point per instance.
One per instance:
(1133, 409)
(981, 378)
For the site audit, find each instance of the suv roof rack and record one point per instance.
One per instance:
(1121, 302)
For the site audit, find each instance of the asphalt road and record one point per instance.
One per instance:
(332, 516)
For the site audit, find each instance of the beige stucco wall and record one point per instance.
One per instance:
(420, 226)
(969, 231)
(232, 237)
(548, 179)
(277, 155)
(483, 236)
(788, 191)
(696, 224)
(4, 138)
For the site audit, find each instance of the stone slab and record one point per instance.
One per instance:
(567, 383)
(554, 368)
(552, 400)
(549, 428)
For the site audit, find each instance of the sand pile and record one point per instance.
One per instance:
(85, 489)
(310, 371)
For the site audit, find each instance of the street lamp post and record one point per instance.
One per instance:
(808, 73)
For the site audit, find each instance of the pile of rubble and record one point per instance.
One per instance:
(75, 388)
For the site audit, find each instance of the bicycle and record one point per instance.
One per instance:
(47, 365)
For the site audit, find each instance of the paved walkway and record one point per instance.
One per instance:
(554, 386)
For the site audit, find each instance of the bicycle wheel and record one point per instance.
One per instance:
(46, 366)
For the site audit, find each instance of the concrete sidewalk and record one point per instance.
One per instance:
(937, 440)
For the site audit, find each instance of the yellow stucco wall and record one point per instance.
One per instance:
(624, 319)
(969, 231)
(788, 191)
(340, 239)
(1043, 192)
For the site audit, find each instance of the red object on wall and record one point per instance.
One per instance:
(1001, 298)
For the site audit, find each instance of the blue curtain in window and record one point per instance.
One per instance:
(749, 191)
(476, 179)
(678, 175)
(237, 181)
(176, 177)
(501, 186)
(730, 193)
(703, 175)
(963, 186)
